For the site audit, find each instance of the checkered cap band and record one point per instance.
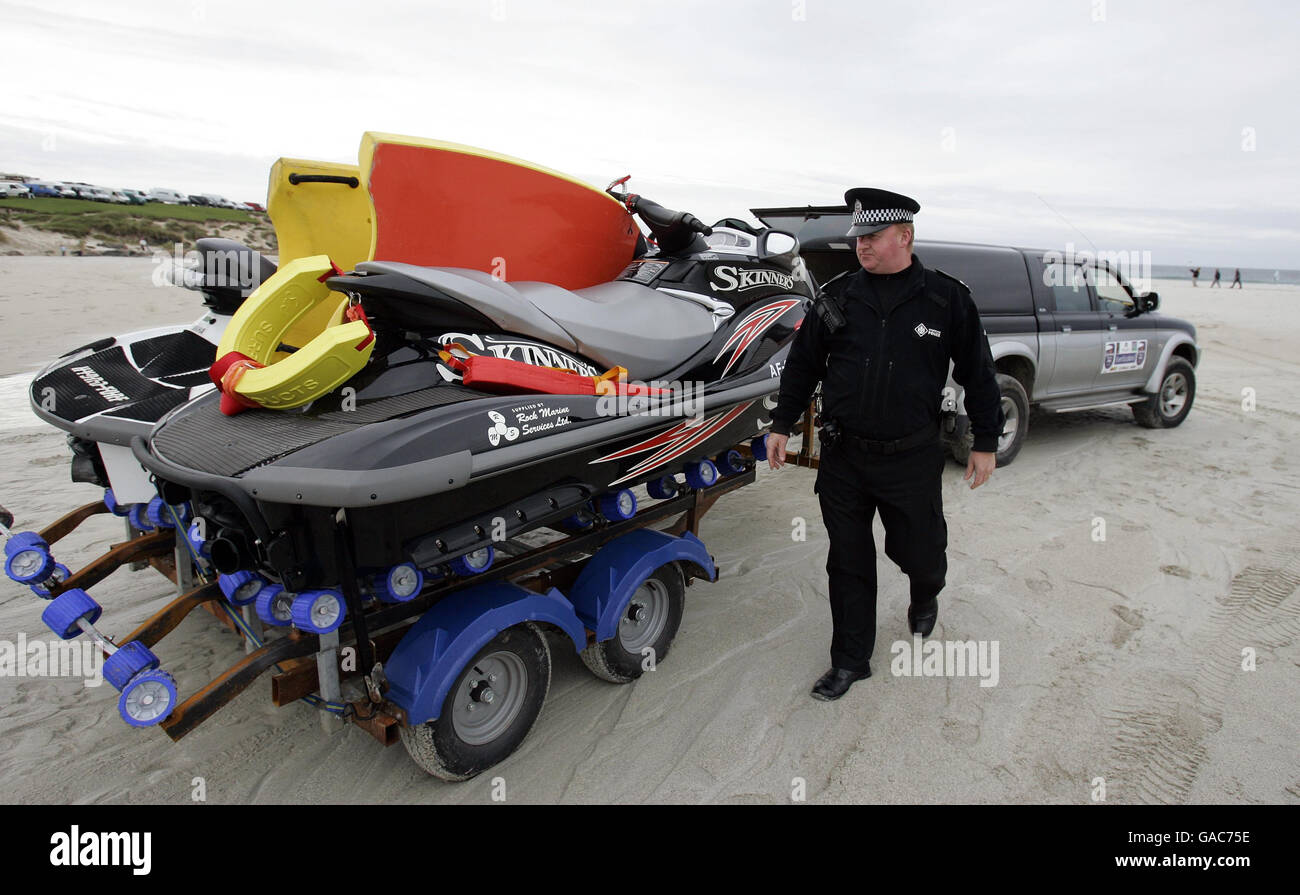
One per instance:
(882, 216)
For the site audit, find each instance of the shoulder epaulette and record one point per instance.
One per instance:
(935, 295)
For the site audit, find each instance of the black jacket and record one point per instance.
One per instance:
(884, 371)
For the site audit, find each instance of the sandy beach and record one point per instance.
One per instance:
(1119, 659)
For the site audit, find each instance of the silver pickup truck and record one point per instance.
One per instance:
(1067, 333)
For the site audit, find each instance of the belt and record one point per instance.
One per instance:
(873, 446)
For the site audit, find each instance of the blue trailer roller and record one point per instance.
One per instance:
(147, 699)
(68, 611)
(129, 660)
(662, 488)
(399, 584)
(701, 474)
(242, 587)
(30, 563)
(194, 534)
(60, 574)
(274, 605)
(163, 515)
(318, 611)
(618, 505)
(730, 462)
(472, 563)
(22, 539)
(110, 501)
(138, 517)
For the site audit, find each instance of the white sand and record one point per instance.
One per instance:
(1119, 659)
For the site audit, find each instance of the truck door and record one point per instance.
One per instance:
(1129, 343)
(1071, 327)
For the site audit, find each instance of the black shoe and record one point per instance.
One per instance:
(920, 620)
(836, 682)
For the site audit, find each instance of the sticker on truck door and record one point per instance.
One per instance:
(1127, 355)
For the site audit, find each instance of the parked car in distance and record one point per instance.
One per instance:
(12, 189)
(135, 197)
(118, 197)
(67, 191)
(45, 190)
(168, 197)
(255, 206)
(214, 201)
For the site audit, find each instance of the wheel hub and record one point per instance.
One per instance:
(1173, 394)
(489, 698)
(646, 616)
(1009, 428)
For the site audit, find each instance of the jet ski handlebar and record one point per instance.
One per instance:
(659, 218)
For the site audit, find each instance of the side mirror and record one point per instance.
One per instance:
(1149, 301)
(777, 243)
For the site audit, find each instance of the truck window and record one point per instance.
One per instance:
(1111, 294)
(1069, 287)
(998, 280)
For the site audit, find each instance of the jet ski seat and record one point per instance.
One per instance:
(625, 324)
(496, 300)
(614, 324)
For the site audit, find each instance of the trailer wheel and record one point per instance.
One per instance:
(645, 630)
(489, 710)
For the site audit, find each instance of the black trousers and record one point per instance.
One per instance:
(852, 484)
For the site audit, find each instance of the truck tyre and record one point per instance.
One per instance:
(1169, 406)
(645, 631)
(505, 683)
(1015, 405)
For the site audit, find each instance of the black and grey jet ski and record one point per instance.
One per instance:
(407, 472)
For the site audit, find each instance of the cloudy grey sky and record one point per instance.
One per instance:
(1168, 127)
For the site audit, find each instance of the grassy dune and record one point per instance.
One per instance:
(155, 223)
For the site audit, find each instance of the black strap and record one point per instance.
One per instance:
(919, 437)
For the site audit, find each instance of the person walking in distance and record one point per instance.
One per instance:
(880, 341)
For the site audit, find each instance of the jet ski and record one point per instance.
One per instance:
(314, 512)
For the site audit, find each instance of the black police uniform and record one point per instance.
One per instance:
(882, 372)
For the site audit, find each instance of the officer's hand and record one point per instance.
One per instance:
(981, 464)
(776, 450)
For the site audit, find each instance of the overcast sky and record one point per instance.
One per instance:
(1141, 126)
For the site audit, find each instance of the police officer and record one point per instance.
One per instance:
(879, 340)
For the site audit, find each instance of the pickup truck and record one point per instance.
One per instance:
(1067, 333)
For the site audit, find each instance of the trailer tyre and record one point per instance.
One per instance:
(506, 683)
(645, 630)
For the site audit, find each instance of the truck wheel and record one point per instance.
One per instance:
(645, 630)
(1015, 405)
(489, 710)
(961, 447)
(1169, 406)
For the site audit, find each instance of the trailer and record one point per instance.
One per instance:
(453, 660)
